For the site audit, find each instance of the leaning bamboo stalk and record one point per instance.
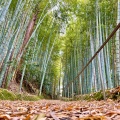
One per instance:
(4, 11)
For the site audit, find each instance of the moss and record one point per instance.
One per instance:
(90, 97)
(30, 97)
(87, 97)
(113, 94)
(19, 96)
(66, 99)
(7, 95)
(98, 96)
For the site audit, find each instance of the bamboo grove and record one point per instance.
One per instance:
(95, 22)
(48, 42)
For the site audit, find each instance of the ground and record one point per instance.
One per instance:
(59, 110)
(14, 87)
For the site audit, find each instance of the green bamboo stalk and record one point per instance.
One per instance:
(21, 81)
(118, 46)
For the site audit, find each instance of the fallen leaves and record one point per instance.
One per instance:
(59, 110)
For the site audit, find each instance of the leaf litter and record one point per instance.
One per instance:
(59, 110)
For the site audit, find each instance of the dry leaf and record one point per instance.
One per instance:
(41, 116)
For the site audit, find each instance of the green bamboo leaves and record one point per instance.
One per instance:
(91, 28)
(34, 32)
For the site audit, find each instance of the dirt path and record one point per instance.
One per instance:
(59, 110)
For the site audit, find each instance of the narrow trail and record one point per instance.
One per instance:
(59, 110)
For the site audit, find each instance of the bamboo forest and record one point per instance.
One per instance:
(63, 55)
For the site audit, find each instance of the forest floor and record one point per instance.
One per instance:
(59, 110)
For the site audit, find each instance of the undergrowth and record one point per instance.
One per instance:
(8, 95)
(113, 94)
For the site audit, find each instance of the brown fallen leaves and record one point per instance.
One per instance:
(59, 110)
